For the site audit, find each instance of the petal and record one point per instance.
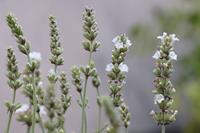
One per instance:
(109, 67)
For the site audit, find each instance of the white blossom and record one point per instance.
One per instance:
(35, 56)
(51, 72)
(22, 109)
(128, 43)
(172, 55)
(173, 38)
(173, 90)
(152, 112)
(109, 67)
(162, 38)
(119, 45)
(116, 39)
(158, 98)
(156, 55)
(42, 111)
(123, 67)
(40, 84)
(174, 114)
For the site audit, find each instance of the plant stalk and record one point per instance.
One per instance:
(84, 115)
(99, 113)
(34, 105)
(163, 129)
(11, 113)
(83, 124)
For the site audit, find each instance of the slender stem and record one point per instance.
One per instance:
(126, 130)
(163, 129)
(99, 113)
(28, 129)
(83, 124)
(101, 130)
(34, 105)
(41, 125)
(84, 115)
(11, 112)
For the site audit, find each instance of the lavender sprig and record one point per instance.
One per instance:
(14, 83)
(163, 86)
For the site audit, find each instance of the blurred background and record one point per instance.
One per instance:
(142, 21)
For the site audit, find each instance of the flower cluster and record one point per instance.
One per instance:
(125, 114)
(90, 31)
(14, 83)
(56, 108)
(47, 107)
(31, 75)
(116, 73)
(16, 30)
(117, 67)
(13, 74)
(56, 49)
(90, 44)
(164, 88)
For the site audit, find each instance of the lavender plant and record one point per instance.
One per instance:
(47, 107)
(14, 83)
(90, 45)
(116, 73)
(56, 108)
(164, 88)
(27, 113)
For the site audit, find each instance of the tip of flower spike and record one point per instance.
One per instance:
(172, 37)
(121, 41)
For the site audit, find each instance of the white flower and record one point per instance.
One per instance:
(162, 38)
(172, 55)
(119, 45)
(123, 67)
(128, 43)
(156, 55)
(51, 72)
(116, 39)
(40, 84)
(152, 112)
(174, 114)
(42, 111)
(109, 67)
(22, 109)
(158, 98)
(35, 56)
(173, 90)
(173, 38)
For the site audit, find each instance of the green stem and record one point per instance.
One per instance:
(126, 130)
(99, 113)
(34, 105)
(42, 125)
(83, 124)
(84, 115)
(28, 129)
(11, 113)
(163, 129)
